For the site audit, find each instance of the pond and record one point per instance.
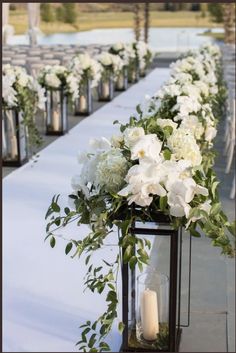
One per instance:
(161, 39)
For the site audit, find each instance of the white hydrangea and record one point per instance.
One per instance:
(192, 124)
(111, 170)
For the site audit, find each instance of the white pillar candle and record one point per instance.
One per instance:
(13, 148)
(149, 315)
(82, 103)
(105, 89)
(119, 82)
(55, 121)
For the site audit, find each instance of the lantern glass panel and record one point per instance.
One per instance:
(151, 299)
(56, 110)
(133, 73)
(14, 140)
(122, 80)
(106, 88)
(83, 104)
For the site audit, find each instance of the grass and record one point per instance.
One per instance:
(93, 20)
(217, 36)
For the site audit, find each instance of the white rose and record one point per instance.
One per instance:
(117, 140)
(23, 79)
(52, 80)
(106, 59)
(210, 133)
(167, 122)
(132, 135)
(118, 46)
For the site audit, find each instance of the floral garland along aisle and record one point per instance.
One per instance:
(161, 161)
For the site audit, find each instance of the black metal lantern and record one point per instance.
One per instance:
(152, 299)
(83, 104)
(106, 88)
(133, 72)
(14, 139)
(56, 112)
(122, 80)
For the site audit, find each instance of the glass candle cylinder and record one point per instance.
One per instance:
(133, 73)
(152, 304)
(83, 104)
(14, 138)
(122, 80)
(56, 112)
(143, 71)
(106, 88)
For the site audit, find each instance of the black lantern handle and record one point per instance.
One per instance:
(189, 282)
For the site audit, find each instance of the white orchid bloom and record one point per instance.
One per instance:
(148, 147)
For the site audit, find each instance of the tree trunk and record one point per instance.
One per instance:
(229, 22)
(146, 21)
(137, 22)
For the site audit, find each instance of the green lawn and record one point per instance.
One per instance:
(92, 20)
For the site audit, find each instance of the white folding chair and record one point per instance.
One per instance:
(230, 142)
(232, 191)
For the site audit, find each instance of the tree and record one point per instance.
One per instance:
(137, 21)
(46, 11)
(69, 12)
(203, 7)
(216, 12)
(146, 21)
(229, 22)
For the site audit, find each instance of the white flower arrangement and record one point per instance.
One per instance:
(59, 77)
(21, 92)
(16, 82)
(85, 67)
(134, 52)
(111, 64)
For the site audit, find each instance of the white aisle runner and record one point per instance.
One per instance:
(43, 299)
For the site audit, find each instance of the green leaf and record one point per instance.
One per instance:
(195, 233)
(87, 259)
(67, 210)
(232, 228)
(163, 203)
(140, 266)
(128, 253)
(148, 243)
(167, 154)
(92, 340)
(52, 242)
(132, 262)
(121, 326)
(215, 208)
(104, 347)
(68, 248)
(168, 131)
(55, 207)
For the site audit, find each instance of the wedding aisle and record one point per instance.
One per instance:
(43, 299)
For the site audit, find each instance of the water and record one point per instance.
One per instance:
(161, 39)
